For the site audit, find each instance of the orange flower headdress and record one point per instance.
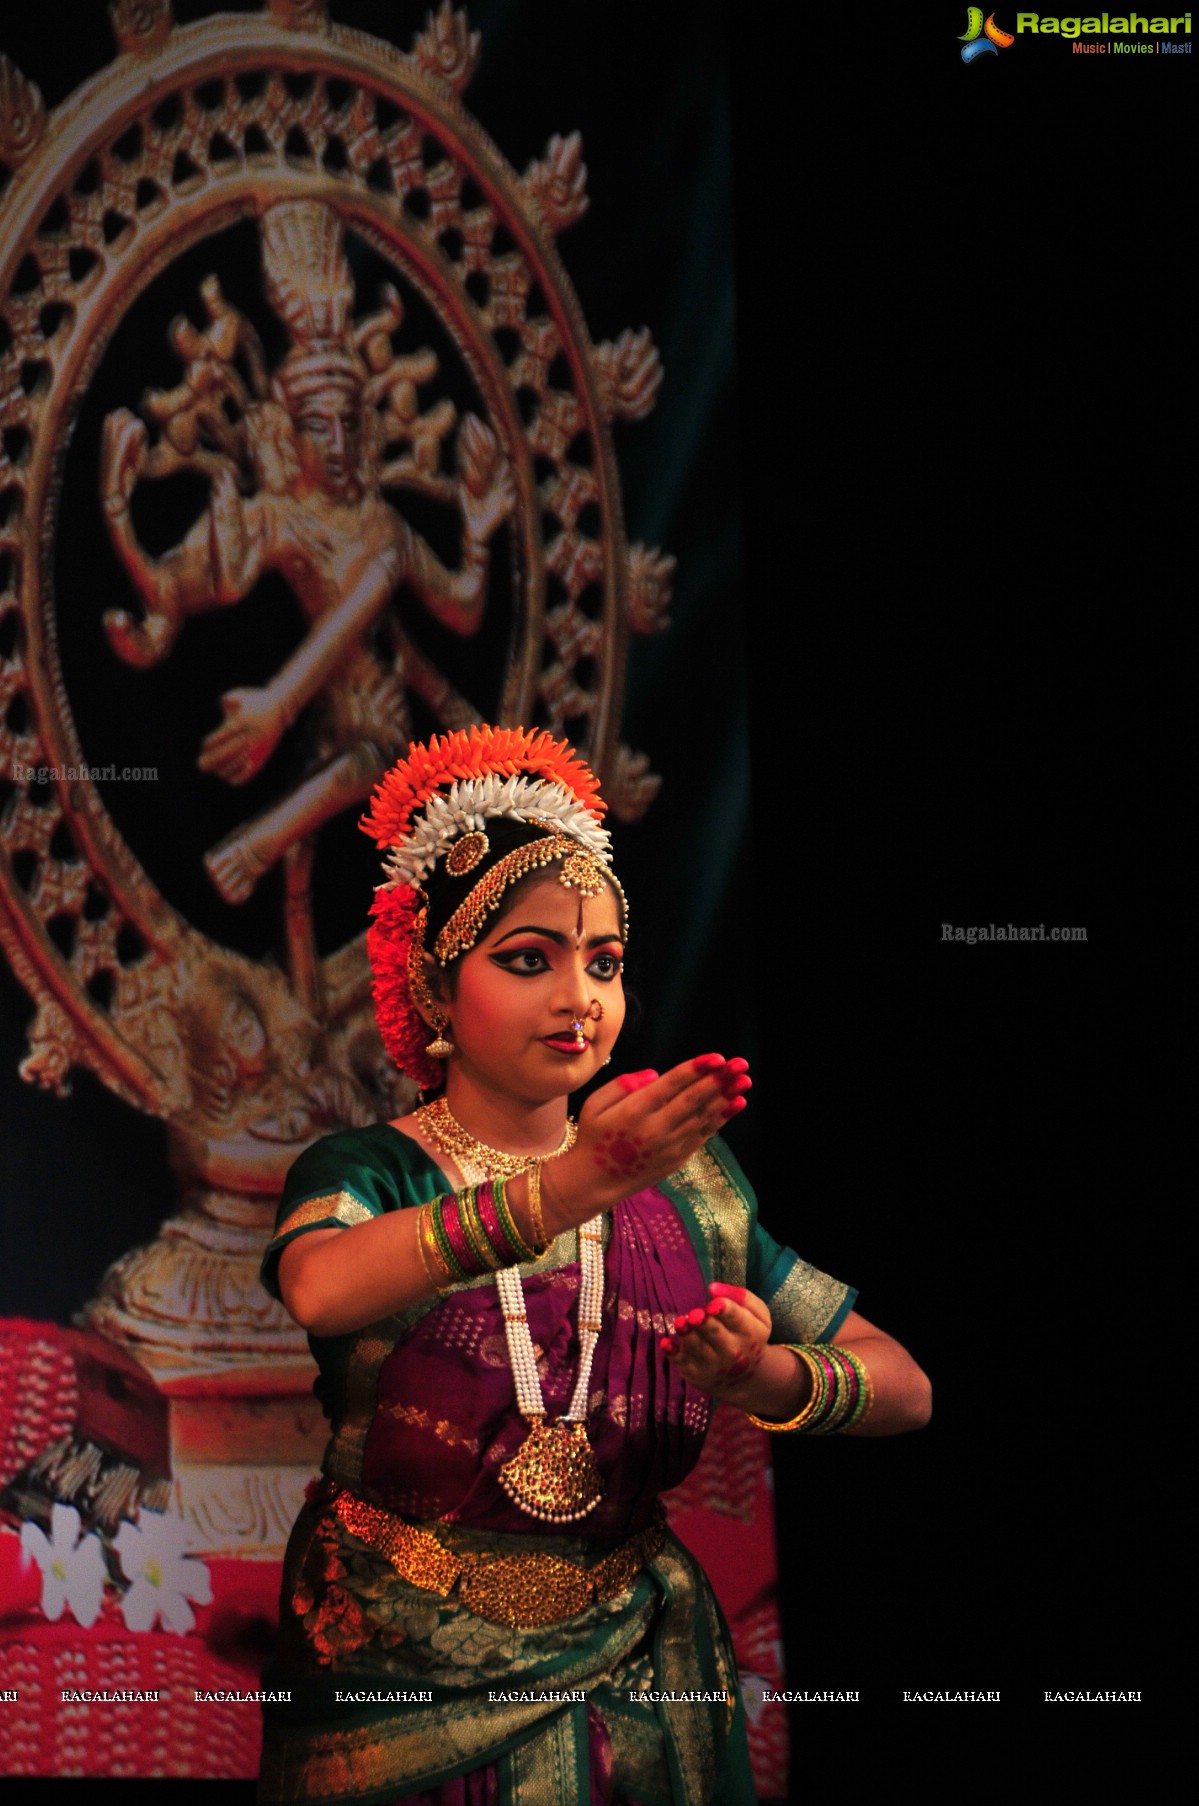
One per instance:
(435, 806)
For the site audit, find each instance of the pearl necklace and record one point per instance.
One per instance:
(553, 1475)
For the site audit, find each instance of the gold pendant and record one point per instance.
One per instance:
(553, 1475)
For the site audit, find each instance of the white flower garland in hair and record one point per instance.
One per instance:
(471, 803)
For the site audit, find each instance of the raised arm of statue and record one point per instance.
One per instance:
(454, 598)
(217, 562)
(486, 496)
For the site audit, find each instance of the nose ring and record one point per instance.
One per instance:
(593, 1013)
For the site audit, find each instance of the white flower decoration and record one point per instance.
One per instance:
(72, 1566)
(472, 802)
(162, 1577)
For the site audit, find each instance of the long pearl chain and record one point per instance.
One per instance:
(529, 1397)
(552, 1476)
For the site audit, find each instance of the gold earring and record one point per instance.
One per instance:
(440, 1048)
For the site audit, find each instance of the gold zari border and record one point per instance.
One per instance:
(372, 1345)
(805, 1304)
(337, 1206)
(721, 1212)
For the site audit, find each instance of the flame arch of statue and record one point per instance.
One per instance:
(78, 254)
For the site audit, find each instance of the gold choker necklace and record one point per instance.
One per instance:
(444, 1130)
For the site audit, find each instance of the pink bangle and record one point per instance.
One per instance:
(456, 1236)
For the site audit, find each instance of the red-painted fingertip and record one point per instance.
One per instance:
(696, 1317)
(714, 1307)
(720, 1290)
(636, 1081)
(681, 1326)
(668, 1345)
(708, 1062)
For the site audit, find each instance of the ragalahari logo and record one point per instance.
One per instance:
(979, 39)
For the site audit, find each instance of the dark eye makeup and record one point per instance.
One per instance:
(529, 962)
(525, 961)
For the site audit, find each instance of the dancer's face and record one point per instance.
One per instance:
(546, 963)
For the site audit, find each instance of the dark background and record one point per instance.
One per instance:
(978, 718)
(934, 523)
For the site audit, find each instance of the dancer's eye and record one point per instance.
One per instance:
(526, 962)
(606, 967)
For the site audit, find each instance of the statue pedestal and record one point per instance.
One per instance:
(244, 1445)
(193, 1373)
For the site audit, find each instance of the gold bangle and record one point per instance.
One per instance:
(539, 1238)
(544, 1191)
(427, 1247)
(814, 1403)
(865, 1399)
(475, 1231)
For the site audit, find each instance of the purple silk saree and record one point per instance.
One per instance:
(402, 1694)
(447, 1419)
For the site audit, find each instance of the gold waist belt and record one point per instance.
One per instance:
(522, 1590)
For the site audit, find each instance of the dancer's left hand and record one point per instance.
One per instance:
(719, 1347)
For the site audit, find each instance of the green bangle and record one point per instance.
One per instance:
(865, 1398)
(444, 1246)
(837, 1401)
(473, 1230)
(521, 1248)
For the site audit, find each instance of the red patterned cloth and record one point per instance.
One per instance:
(38, 1394)
(724, 1512)
(175, 1736)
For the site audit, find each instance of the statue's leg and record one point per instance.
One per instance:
(243, 857)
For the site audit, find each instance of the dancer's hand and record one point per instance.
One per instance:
(719, 1346)
(637, 1129)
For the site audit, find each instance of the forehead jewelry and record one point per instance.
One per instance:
(579, 870)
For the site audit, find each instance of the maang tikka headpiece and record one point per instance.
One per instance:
(436, 806)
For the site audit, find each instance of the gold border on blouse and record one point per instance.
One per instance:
(336, 1206)
(722, 1213)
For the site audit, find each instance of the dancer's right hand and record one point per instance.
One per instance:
(637, 1129)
